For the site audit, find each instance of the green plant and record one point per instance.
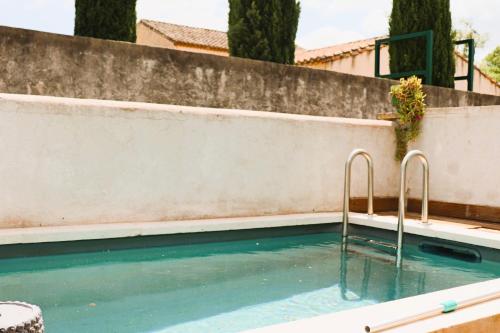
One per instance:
(409, 100)
(491, 64)
(467, 31)
(263, 29)
(409, 16)
(106, 19)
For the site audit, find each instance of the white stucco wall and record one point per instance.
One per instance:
(463, 148)
(69, 161)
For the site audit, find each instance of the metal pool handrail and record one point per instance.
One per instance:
(402, 198)
(347, 188)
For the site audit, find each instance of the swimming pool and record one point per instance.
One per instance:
(226, 286)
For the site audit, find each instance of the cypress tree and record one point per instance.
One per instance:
(418, 15)
(107, 19)
(263, 29)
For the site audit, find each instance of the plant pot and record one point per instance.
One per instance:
(392, 116)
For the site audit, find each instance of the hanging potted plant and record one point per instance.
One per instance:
(409, 100)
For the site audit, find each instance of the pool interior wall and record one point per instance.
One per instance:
(85, 246)
(223, 281)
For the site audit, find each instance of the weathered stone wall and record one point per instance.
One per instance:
(47, 64)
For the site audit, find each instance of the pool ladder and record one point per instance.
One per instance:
(398, 247)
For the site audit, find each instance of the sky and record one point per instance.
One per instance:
(322, 22)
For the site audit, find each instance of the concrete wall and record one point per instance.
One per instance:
(69, 161)
(361, 63)
(47, 64)
(463, 148)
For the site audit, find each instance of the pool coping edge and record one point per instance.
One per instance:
(462, 233)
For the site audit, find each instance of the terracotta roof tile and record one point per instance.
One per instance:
(190, 35)
(334, 50)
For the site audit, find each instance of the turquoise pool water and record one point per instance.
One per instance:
(222, 287)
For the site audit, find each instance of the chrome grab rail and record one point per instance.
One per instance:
(347, 189)
(402, 198)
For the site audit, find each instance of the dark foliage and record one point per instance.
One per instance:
(106, 19)
(263, 29)
(418, 15)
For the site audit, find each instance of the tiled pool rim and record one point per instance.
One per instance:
(442, 230)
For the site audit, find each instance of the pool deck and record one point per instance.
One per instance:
(460, 232)
(484, 317)
(453, 229)
(472, 223)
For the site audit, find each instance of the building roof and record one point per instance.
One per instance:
(189, 35)
(326, 53)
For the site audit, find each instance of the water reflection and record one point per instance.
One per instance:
(363, 277)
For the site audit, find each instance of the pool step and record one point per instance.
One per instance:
(371, 242)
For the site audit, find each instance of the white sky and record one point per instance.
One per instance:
(322, 22)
